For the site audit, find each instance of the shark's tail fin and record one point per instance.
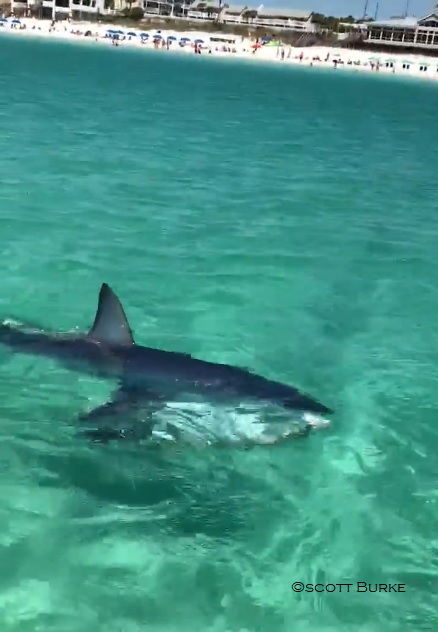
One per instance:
(111, 325)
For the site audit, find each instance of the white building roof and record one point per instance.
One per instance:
(395, 22)
(402, 22)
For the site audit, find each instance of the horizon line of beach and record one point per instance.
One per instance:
(218, 44)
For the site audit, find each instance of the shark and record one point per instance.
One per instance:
(150, 381)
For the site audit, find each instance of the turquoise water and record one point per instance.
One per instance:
(279, 219)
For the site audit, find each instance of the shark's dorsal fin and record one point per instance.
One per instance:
(110, 324)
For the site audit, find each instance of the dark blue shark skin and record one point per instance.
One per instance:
(148, 375)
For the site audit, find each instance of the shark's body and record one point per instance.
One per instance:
(150, 378)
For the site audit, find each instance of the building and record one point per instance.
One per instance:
(58, 9)
(292, 19)
(203, 10)
(277, 19)
(211, 10)
(162, 7)
(20, 8)
(405, 32)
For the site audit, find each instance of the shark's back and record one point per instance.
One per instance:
(182, 367)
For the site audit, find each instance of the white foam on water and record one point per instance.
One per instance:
(202, 423)
(10, 322)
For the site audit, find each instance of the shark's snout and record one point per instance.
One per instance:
(315, 422)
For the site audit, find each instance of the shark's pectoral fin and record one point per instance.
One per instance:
(120, 403)
(118, 418)
(103, 435)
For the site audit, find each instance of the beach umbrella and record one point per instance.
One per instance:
(3, 20)
(171, 38)
(16, 22)
(157, 37)
(199, 41)
(256, 46)
(144, 35)
(132, 34)
(266, 39)
(185, 39)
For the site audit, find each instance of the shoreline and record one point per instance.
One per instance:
(339, 59)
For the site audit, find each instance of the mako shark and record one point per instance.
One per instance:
(150, 379)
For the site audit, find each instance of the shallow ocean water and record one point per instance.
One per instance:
(281, 219)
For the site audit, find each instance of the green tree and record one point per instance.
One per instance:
(249, 14)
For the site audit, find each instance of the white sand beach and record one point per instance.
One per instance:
(220, 44)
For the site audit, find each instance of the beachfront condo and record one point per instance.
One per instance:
(406, 32)
(58, 8)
